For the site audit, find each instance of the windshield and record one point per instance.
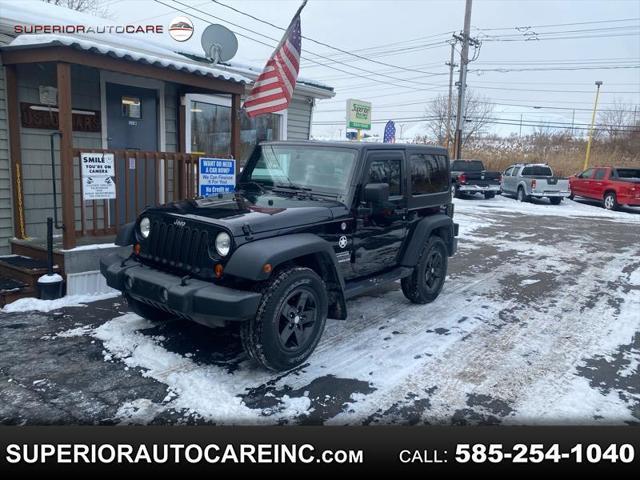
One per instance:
(319, 169)
(467, 166)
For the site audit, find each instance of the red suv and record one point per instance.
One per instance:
(613, 186)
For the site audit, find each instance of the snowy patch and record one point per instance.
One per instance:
(35, 304)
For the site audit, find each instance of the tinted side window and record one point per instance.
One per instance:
(586, 173)
(600, 174)
(507, 172)
(386, 171)
(428, 173)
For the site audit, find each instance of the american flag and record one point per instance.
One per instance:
(273, 89)
(389, 132)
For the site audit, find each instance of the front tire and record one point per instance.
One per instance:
(521, 196)
(426, 282)
(555, 200)
(147, 311)
(289, 321)
(610, 201)
(489, 195)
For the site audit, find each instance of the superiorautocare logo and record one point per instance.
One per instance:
(181, 29)
(81, 28)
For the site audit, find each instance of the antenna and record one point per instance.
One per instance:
(219, 43)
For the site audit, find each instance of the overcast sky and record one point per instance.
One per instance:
(413, 35)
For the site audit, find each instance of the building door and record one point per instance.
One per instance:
(132, 124)
(379, 233)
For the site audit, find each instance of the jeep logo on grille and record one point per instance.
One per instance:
(180, 223)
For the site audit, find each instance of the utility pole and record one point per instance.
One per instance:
(520, 126)
(593, 121)
(451, 67)
(464, 60)
(573, 120)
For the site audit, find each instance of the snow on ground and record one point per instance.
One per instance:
(35, 304)
(537, 324)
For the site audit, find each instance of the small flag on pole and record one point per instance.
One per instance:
(389, 132)
(273, 89)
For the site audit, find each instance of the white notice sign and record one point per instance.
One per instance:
(98, 176)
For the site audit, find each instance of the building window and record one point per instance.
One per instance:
(131, 107)
(210, 128)
(263, 128)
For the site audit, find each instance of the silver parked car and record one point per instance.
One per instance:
(534, 180)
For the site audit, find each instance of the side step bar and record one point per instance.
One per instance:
(359, 287)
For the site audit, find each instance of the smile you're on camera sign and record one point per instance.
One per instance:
(216, 175)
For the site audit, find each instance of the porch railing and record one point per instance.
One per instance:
(141, 179)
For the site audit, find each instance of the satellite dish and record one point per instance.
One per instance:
(219, 43)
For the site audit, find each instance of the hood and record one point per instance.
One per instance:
(262, 212)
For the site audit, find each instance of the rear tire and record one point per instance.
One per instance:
(426, 282)
(289, 321)
(555, 200)
(489, 195)
(456, 191)
(610, 201)
(147, 311)
(521, 196)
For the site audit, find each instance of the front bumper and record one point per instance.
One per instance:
(197, 300)
(479, 188)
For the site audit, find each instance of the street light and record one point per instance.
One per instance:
(593, 121)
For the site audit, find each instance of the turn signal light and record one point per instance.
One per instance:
(267, 268)
(136, 249)
(219, 270)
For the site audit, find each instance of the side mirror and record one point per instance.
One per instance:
(376, 193)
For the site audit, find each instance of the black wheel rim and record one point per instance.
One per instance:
(297, 319)
(434, 271)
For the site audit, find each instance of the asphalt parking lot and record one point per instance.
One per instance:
(538, 323)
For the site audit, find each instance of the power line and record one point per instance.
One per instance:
(324, 44)
(592, 22)
(276, 40)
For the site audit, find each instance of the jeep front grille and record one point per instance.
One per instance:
(184, 248)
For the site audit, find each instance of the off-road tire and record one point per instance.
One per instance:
(261, 336)
(555, 200)
(489, 195)
(521, 196)
(415, 286)
(147, 311)
(610, 201)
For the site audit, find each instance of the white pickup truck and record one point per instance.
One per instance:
(534, 180)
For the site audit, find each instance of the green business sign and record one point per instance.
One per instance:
(358, 114)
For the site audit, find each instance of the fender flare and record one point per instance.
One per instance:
(126, 235)
(421, 232)
(247, 262)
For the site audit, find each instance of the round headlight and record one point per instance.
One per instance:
(223, 244)
(145, 227)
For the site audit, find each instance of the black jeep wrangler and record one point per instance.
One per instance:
(310, 225)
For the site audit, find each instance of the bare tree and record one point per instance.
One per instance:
(94, 7)
(477, 116)
(617, 119)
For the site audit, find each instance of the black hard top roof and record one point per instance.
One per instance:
(363, 145)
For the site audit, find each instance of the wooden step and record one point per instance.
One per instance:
(24, 269)
(11, 290)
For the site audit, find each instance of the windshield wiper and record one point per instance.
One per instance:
(291, 187)
(251, 182)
